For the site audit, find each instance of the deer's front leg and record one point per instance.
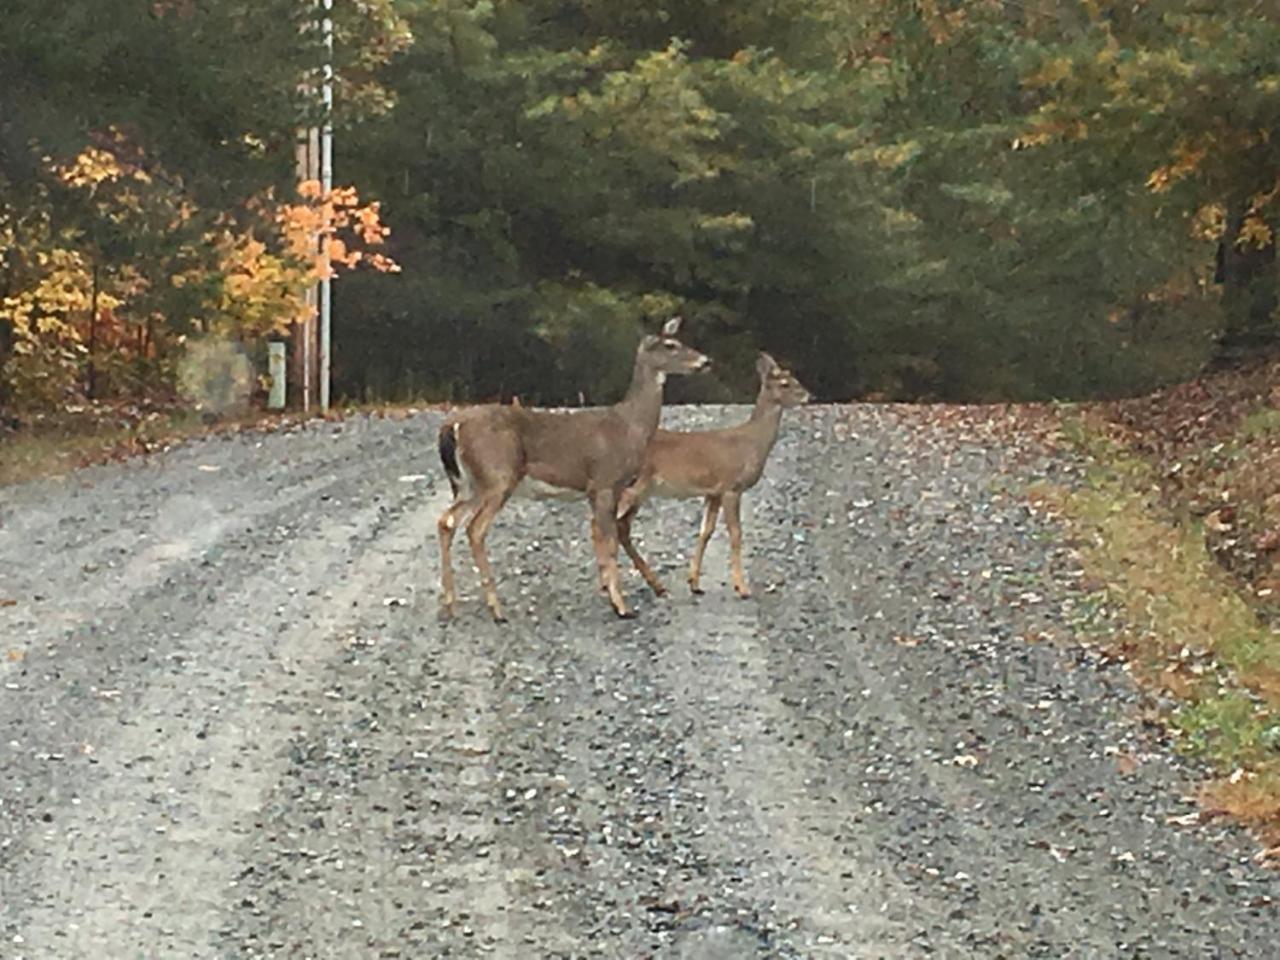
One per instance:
(604, 535)
(708, 528)
(733, 520)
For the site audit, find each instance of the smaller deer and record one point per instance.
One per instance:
(491, 452)
(719, 465)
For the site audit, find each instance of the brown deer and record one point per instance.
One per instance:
(491, 452)
(719, 465)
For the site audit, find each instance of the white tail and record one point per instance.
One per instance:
(488, 452)
(718, 465)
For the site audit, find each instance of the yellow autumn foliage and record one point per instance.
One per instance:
(1254, 232)
(241, 280)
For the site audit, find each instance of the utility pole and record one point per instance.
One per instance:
(326, 181)
(307, 150)
(314, 150)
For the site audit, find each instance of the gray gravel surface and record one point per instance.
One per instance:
(232, 726)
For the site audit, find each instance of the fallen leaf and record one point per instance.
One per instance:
(1126, 763)
(1266, 542)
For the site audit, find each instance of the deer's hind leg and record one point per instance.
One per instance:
(624, 536)
(477, 529)
(446, 526)
(488, 460)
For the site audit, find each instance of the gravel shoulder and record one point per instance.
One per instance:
(233, 726)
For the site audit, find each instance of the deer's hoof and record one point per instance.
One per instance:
(744, 594)
(659, 590)
(625, 614)
(696, 590)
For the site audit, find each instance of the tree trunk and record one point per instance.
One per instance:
(1249, 301)
(6, 349)
(91, 378)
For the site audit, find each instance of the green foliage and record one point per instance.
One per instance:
(906, 198)
(1229, 728)
(973, 201)
(142, 150)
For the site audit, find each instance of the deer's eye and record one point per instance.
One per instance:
(669, 344)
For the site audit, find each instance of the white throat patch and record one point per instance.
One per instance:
(662, 378)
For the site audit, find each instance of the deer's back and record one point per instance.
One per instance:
(703, 463)
(571, 449)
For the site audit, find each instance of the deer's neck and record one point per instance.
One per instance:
(766, 419)
(642, 404)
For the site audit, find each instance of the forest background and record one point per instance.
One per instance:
(904, 199)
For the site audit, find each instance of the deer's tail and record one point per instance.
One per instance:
(449, 454)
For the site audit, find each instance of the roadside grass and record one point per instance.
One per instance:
(56, 446)
(1190, 627)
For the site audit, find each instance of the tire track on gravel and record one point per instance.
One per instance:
(67, 685)
(136, 862)
(782, 812)
(181, 512)
(435, 763)
(982, 758)
(186, 527)
(719, 780)
(69, 508)
(379, 838)
(656, 790)
(806, 866)
(879, 715)
(151, 659)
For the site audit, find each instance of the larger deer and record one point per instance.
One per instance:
(491, 452)
(718, 465)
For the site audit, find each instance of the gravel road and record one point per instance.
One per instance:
(231, 725)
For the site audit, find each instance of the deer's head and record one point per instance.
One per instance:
(664, 354)
(779, 384)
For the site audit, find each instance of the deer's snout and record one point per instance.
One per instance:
(702, 363)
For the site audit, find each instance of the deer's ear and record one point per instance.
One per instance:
(671, 327)
(765, 363)
(648, 341)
